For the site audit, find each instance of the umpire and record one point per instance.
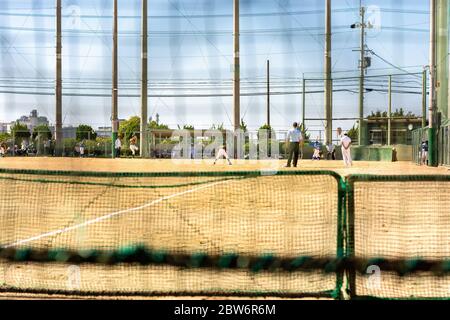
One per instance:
(294, 137)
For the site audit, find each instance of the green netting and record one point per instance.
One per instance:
(418, 136)
(197, 215)
(399, 217)
(287, 234)
(444, 146)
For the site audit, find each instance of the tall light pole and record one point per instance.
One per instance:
(144, 82)
(364, 63)
(303, 102)
(328, 83)
(236, 73)
(58, 87)
(424, 98)
(442, 56)
(389, 130)
(115, 81)
(268, 94)
(361, 76)
(432, 104)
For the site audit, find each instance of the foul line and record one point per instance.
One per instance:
(108, 216)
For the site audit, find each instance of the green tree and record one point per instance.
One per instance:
(4, 137)
(155, 125)
(42, 131)
(398, 113)
(265, 127)
(305, 134)
(130, 127)
(186, 127)
(217, 127)
(69, 146)
(243, 126)
(353, 133)
(85, 132)
(19, 132)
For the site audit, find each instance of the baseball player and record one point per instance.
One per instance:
(345, 147)
(133, 145)
(222, 153)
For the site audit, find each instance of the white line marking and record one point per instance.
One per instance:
(108, 216)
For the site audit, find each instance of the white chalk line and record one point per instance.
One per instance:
(108, 216)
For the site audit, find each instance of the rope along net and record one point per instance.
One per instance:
(175, 218)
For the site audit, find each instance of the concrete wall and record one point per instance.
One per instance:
(403, 153)
(372, 153)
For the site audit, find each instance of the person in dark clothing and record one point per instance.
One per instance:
(294, 138)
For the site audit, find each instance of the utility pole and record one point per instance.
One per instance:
(268, 93)
(361, 76)
(144, 82)
(328, 85)
(58, 89)
(269, 133)
(389, 110)
(424, 99)
(432, 143)
(236, 74)
(364, 63)
(442, 58)
(303, 101)
(114, 113)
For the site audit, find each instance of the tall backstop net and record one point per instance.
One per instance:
(242, 233)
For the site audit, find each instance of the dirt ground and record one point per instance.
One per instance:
(167, 165)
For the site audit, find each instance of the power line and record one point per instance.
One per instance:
(192, 16)
(274, 93)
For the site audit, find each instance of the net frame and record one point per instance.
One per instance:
(339, 274)
(349, 226)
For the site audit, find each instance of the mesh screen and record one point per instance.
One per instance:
(404, 218)
(241, 213)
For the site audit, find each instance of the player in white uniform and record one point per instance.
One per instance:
(133, 145)
(345, 147)
(222, 153)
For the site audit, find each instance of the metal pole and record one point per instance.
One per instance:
(442, 52)
(58, 91)
(361, 77)
(144, 82)
(114, 113)
(268, 93)
(389, 111)
(432, 104)
(303, 102)
(424, 99)
(328, 92)
(236, 73)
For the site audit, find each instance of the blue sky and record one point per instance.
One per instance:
(190, 55)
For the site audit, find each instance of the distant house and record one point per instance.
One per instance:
(401, 130)
(106, 132)
(103, 132)
(32, 121)
(5, 127)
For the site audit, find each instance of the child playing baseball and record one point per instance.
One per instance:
(222, 153)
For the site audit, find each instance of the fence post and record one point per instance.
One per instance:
(389, 110)
(303, 102)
